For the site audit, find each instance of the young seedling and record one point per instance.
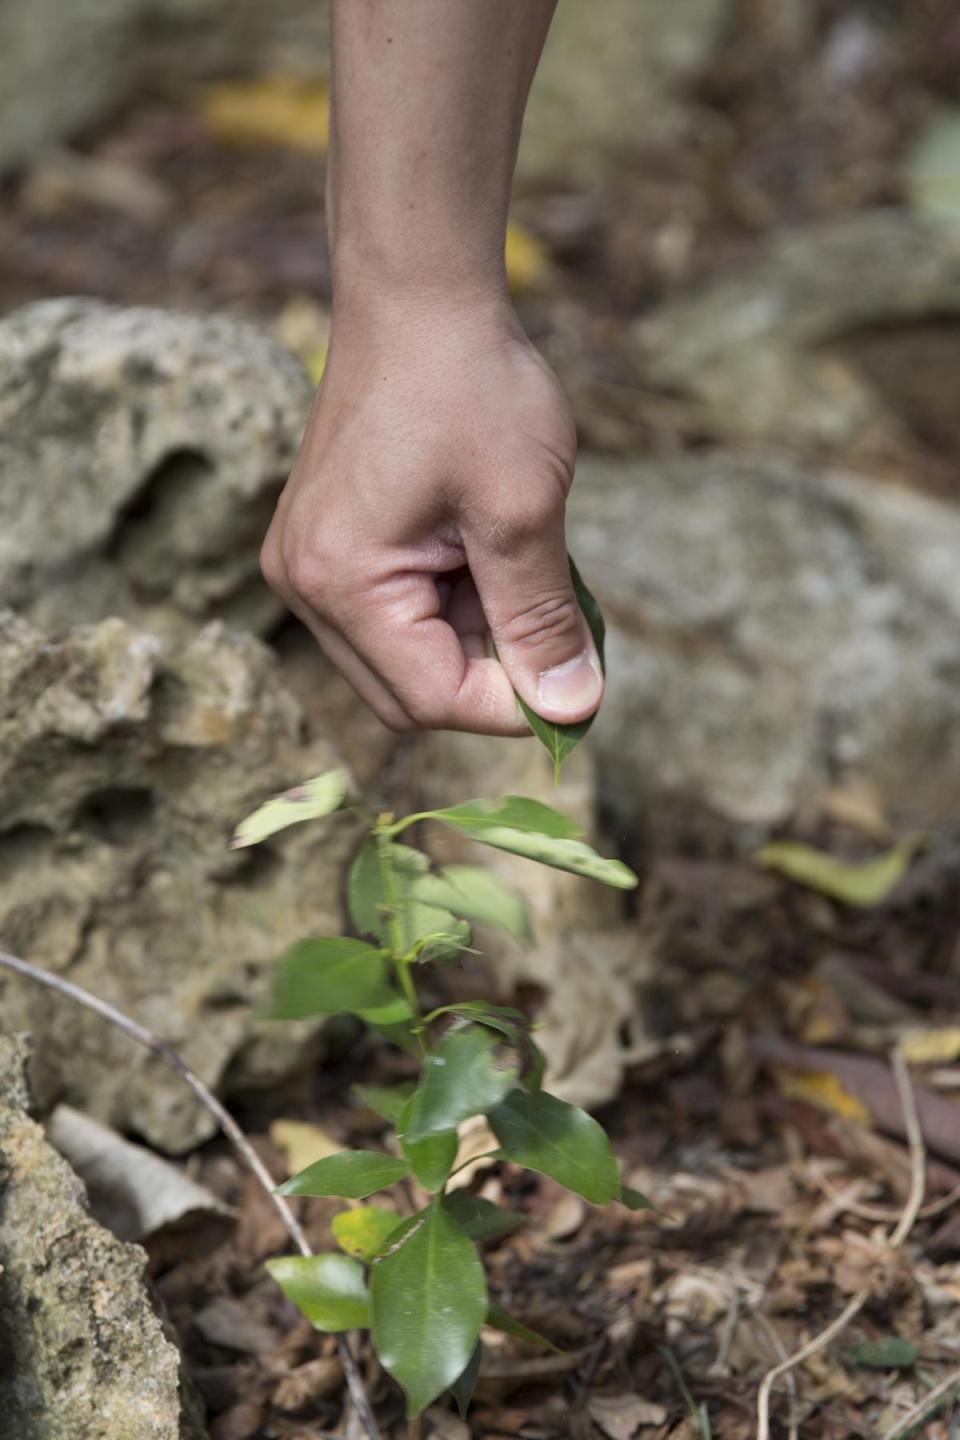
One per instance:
(418, 1283)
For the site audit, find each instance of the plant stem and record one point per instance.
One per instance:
(401, 965)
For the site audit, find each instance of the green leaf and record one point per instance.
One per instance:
(478, 895)
(352, 1175)
(329, 1289)
(513, 1025)
(853, 882)
(428, 1302)
(500, 1319)
(890, 1354)
(463, 1387)
(385, 1100)
(363, 1233)
(480, 1219)
(515, 812)
(559, 740)
(634, 1200)
(326, 976)
(498, 824)
(560, 1140)
(431, 1159)
(309, 801)
(459, 1079)
(418, 920)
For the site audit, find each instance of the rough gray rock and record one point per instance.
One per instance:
(772, 628)
(86, 1357)
(141, 453)
(754, 347)
(64, 68)
(124, 765)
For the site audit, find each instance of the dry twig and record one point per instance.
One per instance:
(229, 1127)
(923, 1407)
(906, 1222)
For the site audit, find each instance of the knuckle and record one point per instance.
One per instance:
(272, 567)
(526, 522)
(310, 576)
(552, 619)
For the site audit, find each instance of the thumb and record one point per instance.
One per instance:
(540, 632)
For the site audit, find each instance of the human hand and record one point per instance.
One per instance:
(424, 517)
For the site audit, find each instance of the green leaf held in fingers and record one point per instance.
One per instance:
(428, 1302)
(329, 1289)
(460, 1078)
(328, 976)
(309, 801)
(351, 1175)
(511, 824)
(432, 1157)
(560, 1140)
(559, 740)
(364, 1232)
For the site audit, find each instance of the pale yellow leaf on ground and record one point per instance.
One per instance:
(852, 882)
(859, 806)
(620, 1416)
(302, 1143)
(303, 326)
(823, 1089)
(931, 1047)
(527, 260)
(277, 110)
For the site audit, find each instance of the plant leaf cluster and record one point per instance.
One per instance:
(417, 1282)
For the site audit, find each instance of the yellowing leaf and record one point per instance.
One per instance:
(276, 110)
(931, 1047)
(304, 327)
(302, 1143)
(823, 1089)
(852, 882)
(527, 260)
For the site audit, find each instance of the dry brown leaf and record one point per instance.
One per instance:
(303, 1143)
(620, 1416)
(859, 806)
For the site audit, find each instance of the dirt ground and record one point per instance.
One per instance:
(766, 1125)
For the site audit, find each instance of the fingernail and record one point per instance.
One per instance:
(573, 687)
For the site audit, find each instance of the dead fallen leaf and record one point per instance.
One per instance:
(303, 1143)
(132, 1191)
(620, 1416)
(859, 806)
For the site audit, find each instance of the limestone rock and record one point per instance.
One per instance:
(755, 347)
(86, 1357)
(124, 764)
(141, 453)
(771, 627)
(64, 68)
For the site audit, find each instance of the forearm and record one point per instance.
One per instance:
(428, 101)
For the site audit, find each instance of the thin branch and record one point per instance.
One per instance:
(226, 1122)
(877, 1214)
(791, 1379)
(923, 1407)
(906, 1222)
